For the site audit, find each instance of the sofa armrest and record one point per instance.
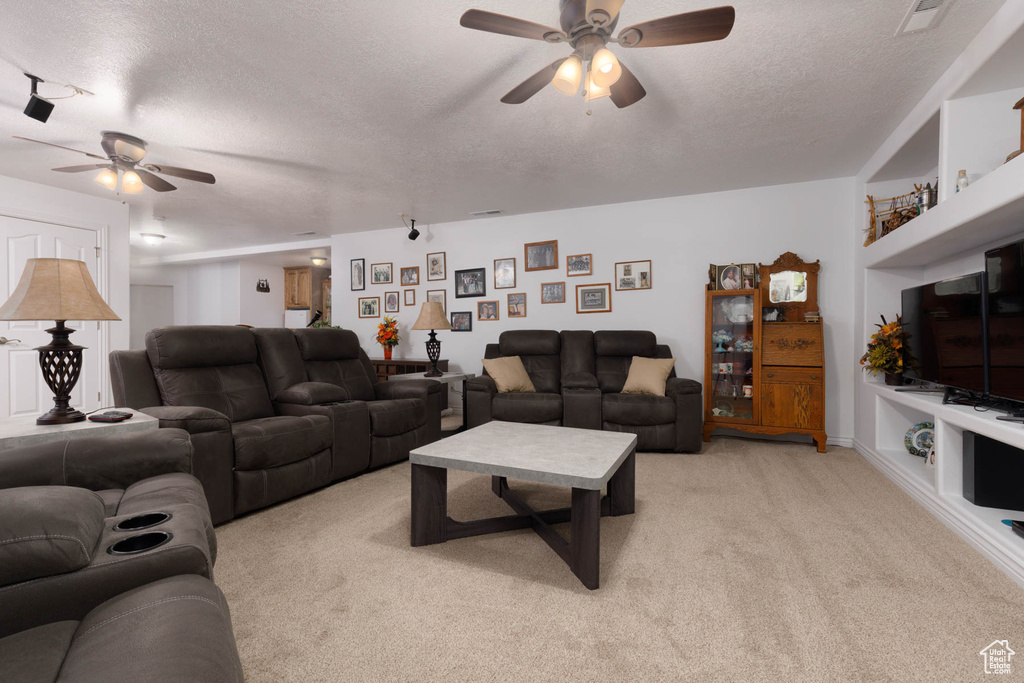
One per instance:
(580, 380)
(411, 388)
(312, 393)
(482, 383)
(192, 419)
(106, 462)
(678, 386)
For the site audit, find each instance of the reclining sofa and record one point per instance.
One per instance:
(273, 413)
(579, 376)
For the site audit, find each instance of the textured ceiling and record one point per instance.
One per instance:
(338, 116)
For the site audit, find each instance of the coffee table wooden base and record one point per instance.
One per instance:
(431, 523)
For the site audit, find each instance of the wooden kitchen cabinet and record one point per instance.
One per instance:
(303, 287)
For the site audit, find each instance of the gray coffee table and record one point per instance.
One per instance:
(583, 459)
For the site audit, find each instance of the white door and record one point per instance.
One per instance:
(22, 390)
(151, 306)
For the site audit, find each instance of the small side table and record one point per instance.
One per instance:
(18, 432)
(446, 379)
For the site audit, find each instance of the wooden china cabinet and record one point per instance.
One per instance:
(766, 376)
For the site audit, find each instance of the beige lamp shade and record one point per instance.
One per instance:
(56, 289)
(432, 317)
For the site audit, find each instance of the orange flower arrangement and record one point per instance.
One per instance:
(387, 333)
(885, 350)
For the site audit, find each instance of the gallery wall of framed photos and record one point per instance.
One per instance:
(633, 266)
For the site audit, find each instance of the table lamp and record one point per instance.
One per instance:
(432, 318)
(59, 290)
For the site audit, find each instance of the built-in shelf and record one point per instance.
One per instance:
(992, 208)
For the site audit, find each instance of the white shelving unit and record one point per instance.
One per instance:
(966, 121)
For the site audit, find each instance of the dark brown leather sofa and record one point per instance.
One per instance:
(273, 413)
(592, 369)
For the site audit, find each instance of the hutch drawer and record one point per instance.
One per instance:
(792, 344)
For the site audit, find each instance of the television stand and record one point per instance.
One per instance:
(923, 390)
(1010, 418)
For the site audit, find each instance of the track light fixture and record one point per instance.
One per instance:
(37, 108)
(413, 232)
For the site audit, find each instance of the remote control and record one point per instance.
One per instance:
(111, 416)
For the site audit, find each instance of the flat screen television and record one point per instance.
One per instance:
(944, 338)
(1005, 269)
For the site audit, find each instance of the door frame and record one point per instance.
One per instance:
(102, 231)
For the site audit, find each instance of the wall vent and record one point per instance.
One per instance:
(923, 15)
(308, 233)
(488, 212)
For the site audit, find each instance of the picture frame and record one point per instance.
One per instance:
(504, 273)
(579, 264)
(728, 277)
(487, 311)
(471, 282)
(381, 273)
(357, 273)
(596, 298)
(410, 297)
(516, 305)
(440, 296)
(462, 321)
(541, 255)
(391, 302)
(437, 268)
(410, 276)
(369, 307)
(633, 275)
(552, 293)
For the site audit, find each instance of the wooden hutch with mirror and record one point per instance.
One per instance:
(764, 358)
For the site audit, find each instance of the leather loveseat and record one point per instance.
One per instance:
(592, 370)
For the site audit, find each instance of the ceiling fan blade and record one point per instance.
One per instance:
(627, 90)
(80, 169)
(186, 173)
(154, 182)
(510, 26)
(680, 29)
(70, 149)
(532, 85)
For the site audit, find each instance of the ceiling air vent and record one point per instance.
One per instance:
(308, 233)
(924, 15)
(488, 212)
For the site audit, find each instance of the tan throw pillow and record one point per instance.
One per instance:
(648, 375)
(508, 374)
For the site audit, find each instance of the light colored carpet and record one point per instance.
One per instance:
(752, 561)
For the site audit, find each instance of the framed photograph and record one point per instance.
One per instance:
(410, 297)
(728, 277)
(440, 296)
(369, 307)
(380, 273)
(391, 302)
(486, 310)
(462, 321)
(357, 270)
(594, 298)
(410, 276)
(504, 273)
(470, 282)
(633, 275)
(436, 268)
(552, 293)
(541, 255)
(517, 305)
(580, 264)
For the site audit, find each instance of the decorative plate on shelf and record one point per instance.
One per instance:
(920, 439)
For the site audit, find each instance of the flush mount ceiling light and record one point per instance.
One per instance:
(125, 153)
(152, 238)
(587, 25)
(318, 260)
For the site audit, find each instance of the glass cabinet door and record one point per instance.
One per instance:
(733, 326)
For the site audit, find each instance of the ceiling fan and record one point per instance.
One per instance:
(124, 154)
(587, 25)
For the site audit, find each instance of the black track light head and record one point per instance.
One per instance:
(38, 108)
(413, 232)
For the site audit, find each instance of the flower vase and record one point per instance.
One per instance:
(387, 352)
(894, 379)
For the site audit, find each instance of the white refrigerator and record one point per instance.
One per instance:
(296, 317)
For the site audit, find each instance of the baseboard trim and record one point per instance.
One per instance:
(979, 537)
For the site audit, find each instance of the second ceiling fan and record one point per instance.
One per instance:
(587, 25)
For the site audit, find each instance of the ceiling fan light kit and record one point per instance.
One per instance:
(107, 178)
(587, 25)
(131, 183)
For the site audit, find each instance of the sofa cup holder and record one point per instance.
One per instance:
(140, 544)
(145, 521)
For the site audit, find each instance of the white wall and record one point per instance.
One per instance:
(680, 235)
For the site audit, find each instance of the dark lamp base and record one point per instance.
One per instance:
(433, 372)
(60, 417)
(433, 353)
